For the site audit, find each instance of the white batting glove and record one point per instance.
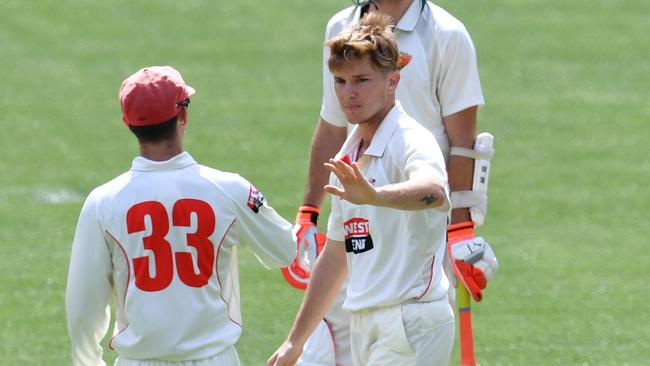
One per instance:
(471, 257)
(309, 244)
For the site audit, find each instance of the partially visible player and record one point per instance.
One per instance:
(162, 239)
(387, 228)
(439, 87)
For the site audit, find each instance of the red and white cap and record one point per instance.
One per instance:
(152, 95)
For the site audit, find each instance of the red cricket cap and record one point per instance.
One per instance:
(151, 95)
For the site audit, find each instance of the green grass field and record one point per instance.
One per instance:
(566, 85)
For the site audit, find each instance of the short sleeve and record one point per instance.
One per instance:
(330, 109)
(459, 86)
(423, 159)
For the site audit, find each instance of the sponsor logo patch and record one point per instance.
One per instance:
(403, 60)
(357, 235)
(255, 199)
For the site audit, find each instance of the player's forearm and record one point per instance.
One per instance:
(416, 194)
(461, 171)
(326, 142)
(88, 289)
(326, 280)
(86, 354)
(87, 316)
(461, 131)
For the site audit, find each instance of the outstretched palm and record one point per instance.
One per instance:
(356, 188)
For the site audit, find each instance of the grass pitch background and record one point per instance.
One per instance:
(566, 85)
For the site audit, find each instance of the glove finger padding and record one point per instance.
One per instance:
(472, 258)
(309, 245)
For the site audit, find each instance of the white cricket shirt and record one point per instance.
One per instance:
(441, 79)
(393, 255)
(162, 240)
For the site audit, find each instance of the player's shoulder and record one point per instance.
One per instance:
(224, 179)
(443, 19)
(411, 133)
(443, 24)
(239, 190)
(111, 188)
(409, 125)
(103, 195)
(340, 21)
(229, 184)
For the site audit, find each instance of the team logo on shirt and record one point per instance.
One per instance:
(255, 199)
(403, 60)
(357, 235)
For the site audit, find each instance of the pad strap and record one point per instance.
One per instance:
(471, 153)
(462, 199)
(476, 199)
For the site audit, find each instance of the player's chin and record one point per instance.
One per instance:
(354, 118)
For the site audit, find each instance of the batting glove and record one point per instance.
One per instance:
(310, 243)
(471, 257)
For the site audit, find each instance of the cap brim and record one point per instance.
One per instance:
(190, 90)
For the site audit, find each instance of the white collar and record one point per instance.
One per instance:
(409, 19)
(381, 137)
(179, 161)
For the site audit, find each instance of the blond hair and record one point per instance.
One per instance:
(373, 38)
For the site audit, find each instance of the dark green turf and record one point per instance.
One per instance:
(566, 85)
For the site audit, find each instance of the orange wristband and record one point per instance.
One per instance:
(461, 231)
(308, 213)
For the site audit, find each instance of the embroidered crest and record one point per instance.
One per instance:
(255, 199)
(403, 60)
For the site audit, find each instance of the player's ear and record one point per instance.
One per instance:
(182, 117)
(393, 80)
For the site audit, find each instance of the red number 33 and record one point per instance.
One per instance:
(163, 255)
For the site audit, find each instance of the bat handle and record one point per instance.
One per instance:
(466, 336)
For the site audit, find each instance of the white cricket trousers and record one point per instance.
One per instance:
(316, 351)
(228, 357)
(410, 334)
(319, 350)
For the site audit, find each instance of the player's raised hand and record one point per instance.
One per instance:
(286, 355)
(356, 188)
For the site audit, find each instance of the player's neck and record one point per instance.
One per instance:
(368, 128)
(395, 9)
(160, 151)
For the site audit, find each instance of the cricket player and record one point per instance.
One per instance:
(162, 240)
(387, 229)
(440, 87)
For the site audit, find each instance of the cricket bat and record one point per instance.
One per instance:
(466, 336)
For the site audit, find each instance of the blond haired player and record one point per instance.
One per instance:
(162, 240)
(387, 228)
(440, 88)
